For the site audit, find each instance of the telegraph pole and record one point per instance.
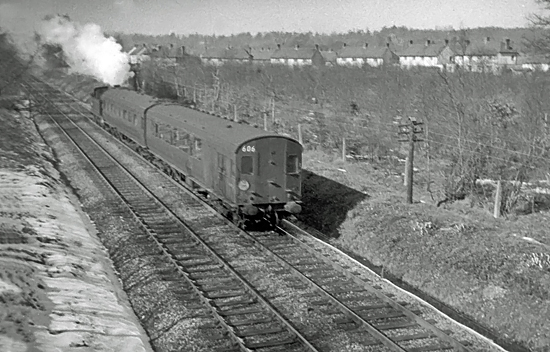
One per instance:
(408, 131)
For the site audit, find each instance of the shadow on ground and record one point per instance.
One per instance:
(326, 203)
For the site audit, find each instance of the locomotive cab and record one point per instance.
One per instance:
(97, 103)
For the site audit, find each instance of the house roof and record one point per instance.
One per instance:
(293, 53)
(356, 52)
(329, 56)
(213, 53)
(237, 54)
(431, 50)
(533, 59)
(259, 54)
(226, 54)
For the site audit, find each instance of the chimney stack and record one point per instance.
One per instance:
(411, 42)
(366, 45)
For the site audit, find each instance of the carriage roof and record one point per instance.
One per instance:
(224, 132)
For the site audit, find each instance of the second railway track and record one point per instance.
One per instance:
(264, 291)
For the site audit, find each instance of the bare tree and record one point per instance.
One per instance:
(541, 23)
(12, 66)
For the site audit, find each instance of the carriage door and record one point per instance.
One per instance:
(222, 175)
(293, 165)
(274, 166)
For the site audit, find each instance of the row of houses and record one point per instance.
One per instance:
(485, 56)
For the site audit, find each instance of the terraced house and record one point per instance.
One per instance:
(477, 57)
(487, 56)
(295, 56)
(366, 55)
(429, 54)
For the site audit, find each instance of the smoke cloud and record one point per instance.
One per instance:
(86, 49)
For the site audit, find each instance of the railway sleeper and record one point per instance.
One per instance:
(400, 324)
(187, 244)
(301, 262)
(235, 312)
(240, 301)
(255, 332)
(271, 343)
(395, 314)
(231, 293)
(417, 336)
(206, 261)
(207, 274)
(217, 287)
(317, 274)
(232, 348)
(435, 347)
(339, 289)
(235, 321)
(189, 256)
(162, 228)
(194, 262)
(370, 307)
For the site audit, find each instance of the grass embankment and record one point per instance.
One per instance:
(456, 253)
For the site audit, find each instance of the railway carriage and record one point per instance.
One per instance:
(255, 174)
(123, 111)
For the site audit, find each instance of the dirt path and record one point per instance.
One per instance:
(58, 291)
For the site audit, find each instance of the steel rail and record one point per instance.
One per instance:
(257, 295)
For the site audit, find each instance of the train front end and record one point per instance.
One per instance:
(268, 179)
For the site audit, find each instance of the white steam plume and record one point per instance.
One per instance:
(87, 50)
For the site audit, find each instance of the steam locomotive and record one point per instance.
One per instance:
(254, 175)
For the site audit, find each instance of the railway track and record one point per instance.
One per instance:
(255, 284)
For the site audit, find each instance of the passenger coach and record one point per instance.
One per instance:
(255, 173)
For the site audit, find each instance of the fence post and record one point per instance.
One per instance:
(344, 149)
(235, 113)
(406, 173)
(272, 110)
(195, 94)
(498, 200)
(265, 121)
(300, 134)
(177, 86)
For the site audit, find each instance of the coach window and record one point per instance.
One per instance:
(247, 165)
(175, 137)
(166, 133)
(185, 141)
(135, 120)
(156, 132)
(292, 164)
